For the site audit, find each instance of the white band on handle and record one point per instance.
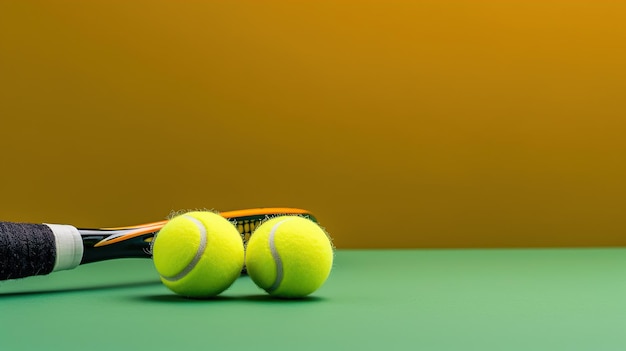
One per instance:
(69, 246)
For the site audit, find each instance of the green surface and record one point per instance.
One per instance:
(411, 299)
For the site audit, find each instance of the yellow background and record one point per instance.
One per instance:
(399, 123)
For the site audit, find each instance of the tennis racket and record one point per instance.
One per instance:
(39, 249)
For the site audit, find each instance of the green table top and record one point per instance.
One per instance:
(544, 299)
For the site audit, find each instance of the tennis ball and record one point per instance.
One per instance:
(289, 256)
(198, 254)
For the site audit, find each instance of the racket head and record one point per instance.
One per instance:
(245, 220)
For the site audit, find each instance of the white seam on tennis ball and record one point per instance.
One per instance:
(276, 256)
(197, 257)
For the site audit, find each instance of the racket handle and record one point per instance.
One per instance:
(37, 249)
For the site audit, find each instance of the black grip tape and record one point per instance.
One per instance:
(26, 250)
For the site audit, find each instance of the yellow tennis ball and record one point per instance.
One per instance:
(289, 256)
(198, 254)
